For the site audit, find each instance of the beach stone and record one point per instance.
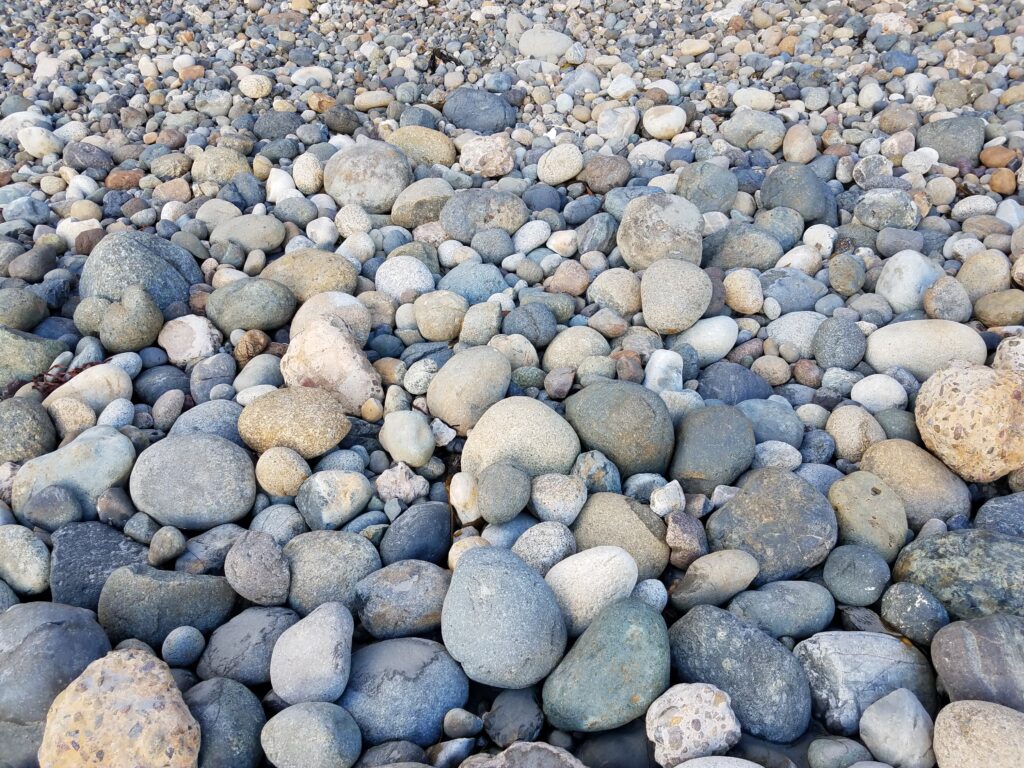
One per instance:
(311, 658)
(333, 304)
(421, 202)
(21, 309)
(256, 569)
(731, 383)
(523, 432)
(904, 279)
(675, 294)
(659, 226)
(913, 611)
(764, 518)
(250, 304)
(690, 721)
(796, 609)
(855, 575)
(613, 673)
(707, 185)
(121, 259)
(307, 272)
(351, 557)
(25, 430)
(898, 730)
(585, 583)
(308, 420)
(313, 734)
(193, 481)
(43, 648)
(145, 721)
(543, 43)
(970, 571)
(768, 689)
(97, 387)
(751, 129)
(98, 459)
(797, 187)
(250, 232)
(869, 513)
(467, 385)
(230, 719)
(478, 110)
(241, 648)
(627, 422)
(923, 346)
(978, 733)
(509, 635)
(923, 483)
(713, 578)
(401, 599)
(469, 211)
(714, 446)
(25, 355)
(850, 671)
(325, 355)
(610, 519)
(967, 417)
(560, 164)
(83, 557)
(369, 174)
(424, 146)
(957, 138)
(982, 659)
(400, 689)
(141, 602)
(406, 436)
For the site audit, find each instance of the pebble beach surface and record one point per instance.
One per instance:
(583, 384)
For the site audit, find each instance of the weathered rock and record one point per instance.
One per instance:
(25, 430)
(972, 734)
(467, 385)
(610, 519)
(982, 659)
(144, 722)
(660, 226)
(923, 346)
(691, 721)
(369, 174)
(307, 272)
(308, 420)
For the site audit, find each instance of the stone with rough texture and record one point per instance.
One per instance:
(768, 688)
(690, 721)
(610, 519)
(308, 420)
(850, 671)
(972, 418)
(369, 174)
(982, 659)
(660, 226)
(978, 734)
(144, 719)
(25, 430)
(974, 573)
(230, 719)
(467, 385)
(613, 673)
(313, 734)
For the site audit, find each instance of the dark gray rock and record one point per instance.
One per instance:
(855, 575)
(731, 383)
(241, 649)
(613, 673)
(43, 647)
(230, 719)
(769, 690)
(955, 139)
(773, 420)
(400, 689)
(778, 518)
(913, 611)
(627, 422)
(83, 556)
(514, 716)
(1003, 514)
(422, 532)
(479, 110)
(796, 186)
(141, 602)
(714, 446)
(838, 343)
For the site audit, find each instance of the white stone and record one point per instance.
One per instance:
(188, 339)
(712, 338)
(586, 582)
(672, 724)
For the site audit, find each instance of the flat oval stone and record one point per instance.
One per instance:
(982, 659)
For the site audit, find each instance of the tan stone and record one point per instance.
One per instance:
(123, 711)
(310, 421)
(424, 146)
(309, 271)
(325, 355)
(490, 156)
(979, 734)
(972, 418)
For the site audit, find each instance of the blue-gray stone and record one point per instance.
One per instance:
(1003, 514)
(770, 692)
(474, 282)
(83, 556)
(714, 446)
(613, 673)
(316, 734)
(400, 690)
(795, 609)
(731, 383)
(501, 621)
(422, 532)
(214, 417)
(241, 649)
(230, 719)
(479, 110)
(796, 186)
(402, 599)
(773, 420)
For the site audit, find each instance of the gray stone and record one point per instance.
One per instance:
(230, 719)
(241, 648)
(369, 174)
(769, 690)
(83, 556)
(660, 226)
(479, 110)
(714, 446)
(314, 734)
(401, 689)
(326, 566)
(982, 659)
(401, 599)
(610, 519)
(501, 621)
(957, 138)
(472, 210)
(311, 659)
(613, 673)
(263, 305)
(194, 481)
(25, 430)
(796, 609)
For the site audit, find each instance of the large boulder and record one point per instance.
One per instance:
(627, 422)
(144, 719)
(972, 417)
(121, 259)
(369, 174)
(780, 519)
